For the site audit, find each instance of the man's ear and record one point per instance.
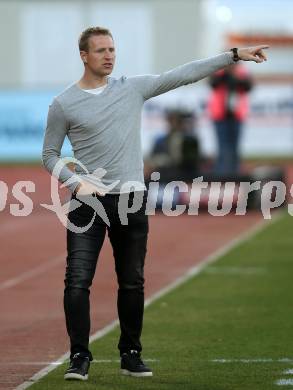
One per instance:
(83, 56)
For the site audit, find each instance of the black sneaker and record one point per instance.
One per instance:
(79, 367)
(131, 364)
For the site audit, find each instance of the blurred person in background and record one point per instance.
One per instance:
(101, 116)
(175, 155)
(228, 109)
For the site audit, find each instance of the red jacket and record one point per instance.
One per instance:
(236, 83)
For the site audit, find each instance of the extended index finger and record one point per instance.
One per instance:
(260, 47)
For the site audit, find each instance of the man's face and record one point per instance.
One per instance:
(100, 58)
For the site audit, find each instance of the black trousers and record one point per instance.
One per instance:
(129, 244)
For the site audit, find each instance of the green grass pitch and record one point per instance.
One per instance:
(229, 328)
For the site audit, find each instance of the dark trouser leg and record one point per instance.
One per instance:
(223, 145)
(228, 136)
(129, 244)
(235, 138)
(83, 250)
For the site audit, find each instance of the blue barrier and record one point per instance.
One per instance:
(23, 118)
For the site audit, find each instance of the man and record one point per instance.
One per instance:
(101, 117)
(228, 109)
(175, 155)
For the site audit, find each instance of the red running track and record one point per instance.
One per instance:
(32, 328)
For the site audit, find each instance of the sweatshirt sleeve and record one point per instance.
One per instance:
(56, 131)
(152, 85)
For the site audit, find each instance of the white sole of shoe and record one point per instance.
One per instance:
(136, 374)
(73, 376)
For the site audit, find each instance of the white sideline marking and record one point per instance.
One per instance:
(59, 363)
(284, 382)
(249, 361)
(33, 272)
(288, 372)
(180, 280)
(118, 360)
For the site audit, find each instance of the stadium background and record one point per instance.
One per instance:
(39, 57)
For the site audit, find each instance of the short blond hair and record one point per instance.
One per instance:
(83, 42)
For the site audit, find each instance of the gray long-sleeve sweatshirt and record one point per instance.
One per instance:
(104, 129)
